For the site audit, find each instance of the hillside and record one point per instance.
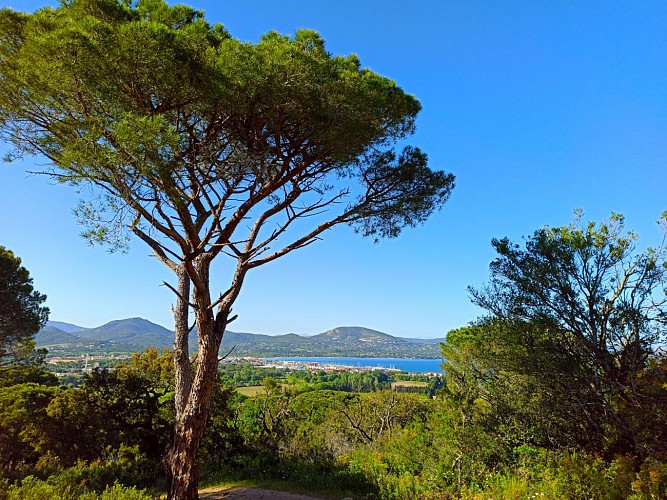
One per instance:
(50, 335)
(354, 334)
(65, 327)
(134, 334)
(133, 331)
(353, 341)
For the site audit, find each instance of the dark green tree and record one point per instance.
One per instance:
(21, 312)
(582, 311)
(26, 429)
(133, 409)
(205, 146)
(23, 374)
(496, 392)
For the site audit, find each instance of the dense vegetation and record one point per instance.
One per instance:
(558, 392)
(473, 437)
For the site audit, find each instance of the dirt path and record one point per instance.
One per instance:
(242, 493)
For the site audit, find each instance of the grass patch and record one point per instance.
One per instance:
(250, 391)
(408, 383)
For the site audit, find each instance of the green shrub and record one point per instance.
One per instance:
(619, 475)
(32, 488)
(651, 481)
(118, 492)
(125, 466)
(505, 486)
(392, 476)
(58, 487)
(542, 475)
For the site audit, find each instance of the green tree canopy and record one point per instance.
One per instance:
(202, 145)
(21, 311)
(580, 310)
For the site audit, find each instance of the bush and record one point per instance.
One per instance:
(118, 492)
(125, 466)
(114, 479)
(391, 475)
(573, 476)
(32, 488)
(58, 487)
(651, 481)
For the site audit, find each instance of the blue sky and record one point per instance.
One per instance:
(537, 107)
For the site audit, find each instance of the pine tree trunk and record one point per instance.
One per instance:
(183, 473)
(182, 367)
(194, 391)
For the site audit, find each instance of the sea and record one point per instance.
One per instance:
(407, 365)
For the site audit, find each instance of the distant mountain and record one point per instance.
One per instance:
(133, 331)
(360, 334)
(65, 327)
(342, 341)
(50, 335)
(136, 334)
(354, 334)
(58, 342)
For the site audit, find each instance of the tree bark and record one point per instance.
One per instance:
(193, 391)
(193, 401)
(182, 368)
(183, 475)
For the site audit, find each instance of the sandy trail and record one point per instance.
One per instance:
(241, 493)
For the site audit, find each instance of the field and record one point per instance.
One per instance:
(408, 383)
(250, 390)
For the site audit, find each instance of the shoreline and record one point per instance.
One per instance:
(338, 364)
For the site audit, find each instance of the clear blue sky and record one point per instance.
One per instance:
(537, 107)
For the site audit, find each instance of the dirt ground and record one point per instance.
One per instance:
(241, 493)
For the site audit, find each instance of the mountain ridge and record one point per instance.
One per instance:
(139, 333)
(65, 327)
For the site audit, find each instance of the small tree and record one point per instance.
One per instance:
(201, 146)
(583, 310)
(21, 312)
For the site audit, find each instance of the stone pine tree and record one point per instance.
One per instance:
(204, 146)
(21, 313)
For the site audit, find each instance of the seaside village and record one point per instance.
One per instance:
(77, 365)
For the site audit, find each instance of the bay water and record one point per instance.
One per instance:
(407, 365)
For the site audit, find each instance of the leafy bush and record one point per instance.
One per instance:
(582, 476)
(392, 473)
(61, 488)
(118, 492)
(125, 466)
(651, 481)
